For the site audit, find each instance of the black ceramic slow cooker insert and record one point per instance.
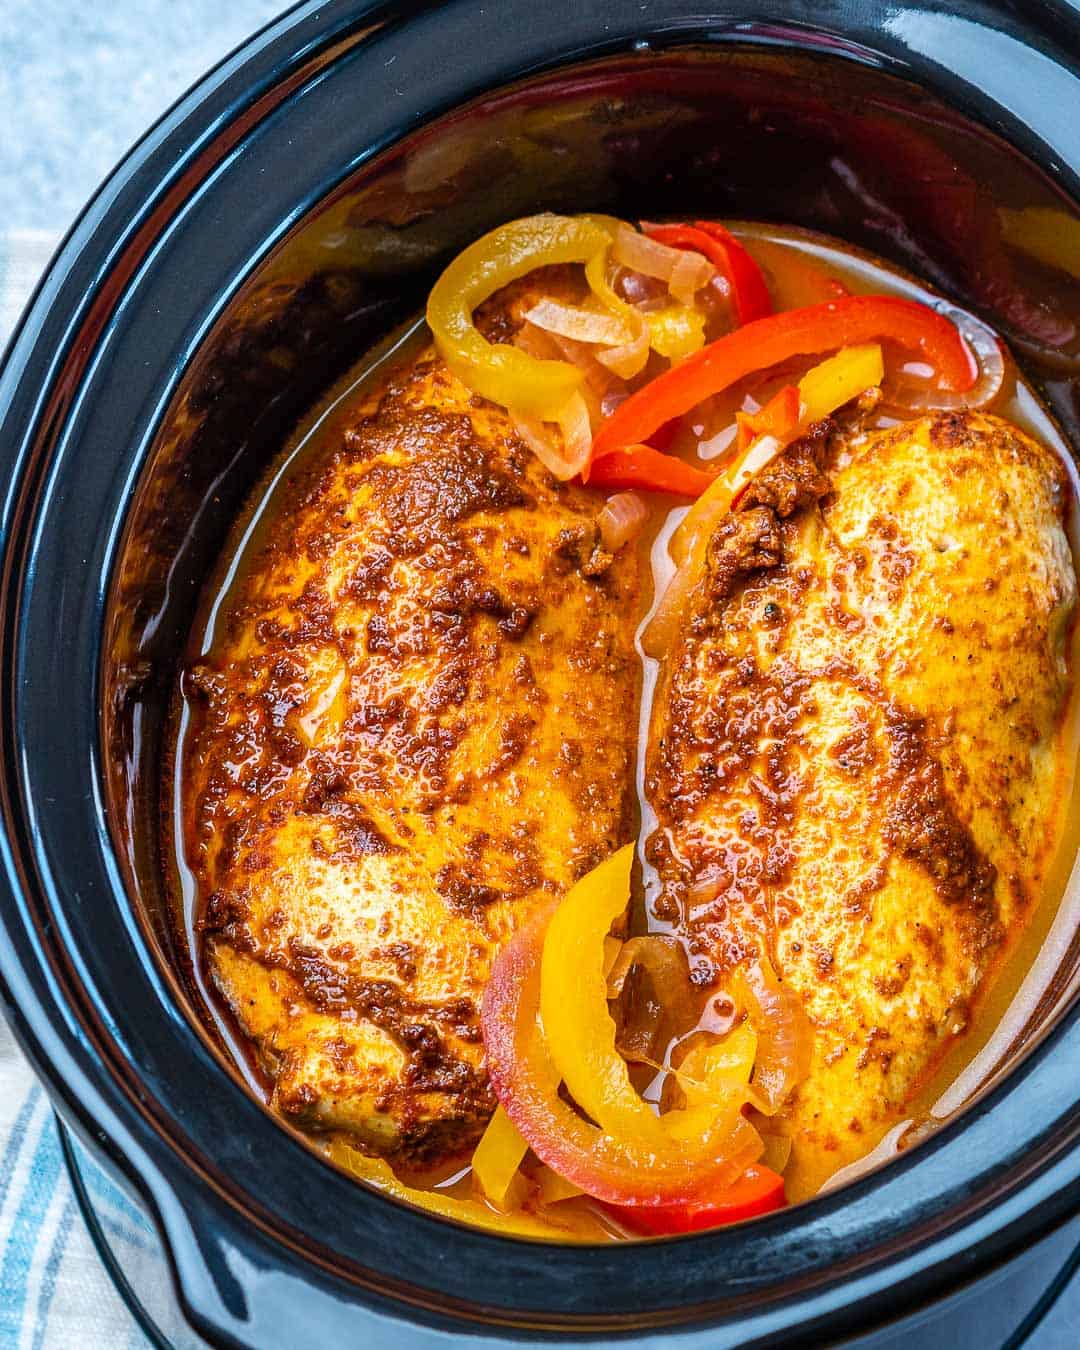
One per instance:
(281, 217)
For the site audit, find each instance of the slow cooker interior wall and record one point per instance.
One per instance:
(817, 141)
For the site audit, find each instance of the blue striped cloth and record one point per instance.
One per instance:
(55, 1293)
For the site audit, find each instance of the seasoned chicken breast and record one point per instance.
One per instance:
(857, 759)
(416, 720)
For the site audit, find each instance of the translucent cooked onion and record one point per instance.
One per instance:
(761, 453)
(629, 359)
(621, 520)
(914, 390)
(537, 343)
(682, 268)
(659, 636)
(777, 1151)
(564, 455)
(599, 379)
(689, 274)
(651, 981)
(689, 547)
(582, 325)
(576, 432)
(783, 1049)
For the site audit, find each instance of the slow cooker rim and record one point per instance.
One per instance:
(28, 1032)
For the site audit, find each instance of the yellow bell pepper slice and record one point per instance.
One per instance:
(839, 379)
(378, 1173)
(578, 1027)
(525, 384)
(677, 331)
(496, 1160)
(827, 386)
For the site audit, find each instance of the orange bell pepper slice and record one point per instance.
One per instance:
(779, 417)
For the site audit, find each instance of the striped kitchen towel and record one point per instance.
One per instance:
(55, 1293)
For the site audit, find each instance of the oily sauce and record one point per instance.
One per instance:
(1003, 1016)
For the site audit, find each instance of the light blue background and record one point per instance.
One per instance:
(81, 80)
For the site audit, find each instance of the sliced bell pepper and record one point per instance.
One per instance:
(778, 417)
(497, 1157)
(663, 437)
(643, 466)
(758, 1191)
(749, 291)
(676, 332)
(838, 379)
(823, 389)
(497, 371)
(647, 1161)
(578, 1027)
(766, 342)
(377, 1172)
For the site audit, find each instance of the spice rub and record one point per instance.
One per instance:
(414, 723)
(856, 759)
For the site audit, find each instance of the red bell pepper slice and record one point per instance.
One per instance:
(719, 245)
(759, 1190)
(849, 321)
(664, 436)
(778, 417)
(643, 466)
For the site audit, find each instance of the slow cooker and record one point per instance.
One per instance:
(284, 214)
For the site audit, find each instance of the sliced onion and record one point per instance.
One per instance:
(583, 325)
(599, 379)
(653, 1013)
(662, 956)
(567, 459)
(762, 452)
(537, 343)
(720, 443)
(689, 274)
(576, 432)
(914, 390)
(666, 622)
(642, 254)
(684, 270)
(688, 549)
(621, 520)
(784, 1034)
(629, 359)
(777, 1151)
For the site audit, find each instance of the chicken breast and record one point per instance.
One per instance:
(416, 720)
(858, 761)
